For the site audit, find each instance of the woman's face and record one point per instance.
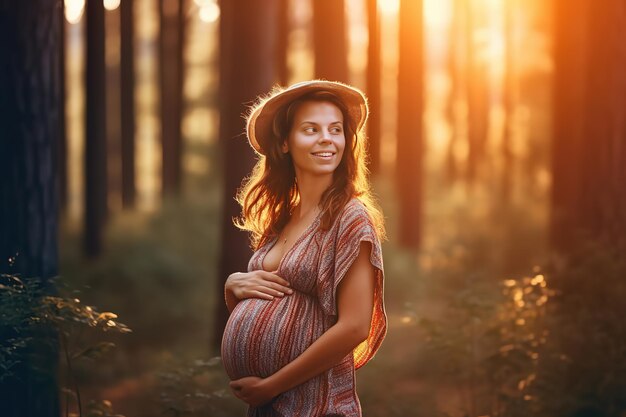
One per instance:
(316, 140)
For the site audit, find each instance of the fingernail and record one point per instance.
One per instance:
(290, 291)
(281, 294)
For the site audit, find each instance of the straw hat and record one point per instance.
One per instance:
(259, 122)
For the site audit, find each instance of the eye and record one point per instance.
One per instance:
(336, 130)
(309, 129)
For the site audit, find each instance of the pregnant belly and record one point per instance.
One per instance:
(262, 336)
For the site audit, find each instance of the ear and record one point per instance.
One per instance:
(284, 147)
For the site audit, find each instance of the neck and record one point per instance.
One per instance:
(311, 189)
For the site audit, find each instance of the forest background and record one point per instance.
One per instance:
(497, 144)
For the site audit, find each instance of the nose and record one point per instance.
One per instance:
(325, 141)
(325, 136)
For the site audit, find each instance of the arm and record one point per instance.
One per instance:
(231, 300)
(355, 300)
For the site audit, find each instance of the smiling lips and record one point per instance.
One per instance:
(325, 155)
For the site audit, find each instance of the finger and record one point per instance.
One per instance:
(279, 293)
(259, 294)
(275, 289)
(237, 394)
(280, 289)
(235, 385)
(272, 289)
(271, 276)
(278, 286)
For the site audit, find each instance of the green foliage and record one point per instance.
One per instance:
(582, 368)
(534, 349)
(487, 342)
(102, 408)
(69, 315)
(25, 306)
(197, 387)
(18, 299)
(157, 271)
(32, 317)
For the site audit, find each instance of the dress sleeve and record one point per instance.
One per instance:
(355, 226)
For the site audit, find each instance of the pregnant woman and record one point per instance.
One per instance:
(309, 310)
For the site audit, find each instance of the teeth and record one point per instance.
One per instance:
(323, 154)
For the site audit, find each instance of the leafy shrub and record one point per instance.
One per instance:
(158, 271)
(197, 387)
(488, 342)
(33, 318)
(538, 349)
(582, 368)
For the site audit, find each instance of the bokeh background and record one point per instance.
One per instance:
(497, 143)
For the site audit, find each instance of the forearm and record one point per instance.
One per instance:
(327, 351)
(229, 296)
(231, 300)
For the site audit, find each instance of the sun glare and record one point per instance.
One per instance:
(209, 12)
(389, 6)
(74, 10)
(111, 4)
(437, 13)
(203, 3)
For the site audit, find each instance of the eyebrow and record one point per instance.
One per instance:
(313, 123)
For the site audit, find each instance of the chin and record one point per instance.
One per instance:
(330, 172)
(324, 171)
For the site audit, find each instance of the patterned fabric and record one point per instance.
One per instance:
(262, 336)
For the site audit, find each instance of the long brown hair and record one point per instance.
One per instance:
(270, 192)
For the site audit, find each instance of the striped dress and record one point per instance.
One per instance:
(262, 336)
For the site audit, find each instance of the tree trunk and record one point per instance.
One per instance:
(113, 102)
(410, 130)
(602, 212)
(171, 42)
(589, 142)
(95, 133)
(570, 58)
(30, 113)
(329, 40)
(373, 86)
(246, 70)
(455, 63)
(506, 183)
(127, 69)
(62, 162)
(282, 44)
(477, 100)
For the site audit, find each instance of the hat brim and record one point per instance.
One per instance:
(260, 120)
